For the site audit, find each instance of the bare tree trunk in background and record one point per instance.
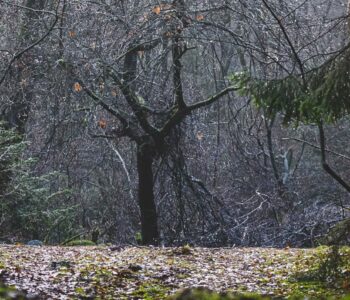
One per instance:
(348, 12)
(149, 221)
(17, 113)
(325, 165)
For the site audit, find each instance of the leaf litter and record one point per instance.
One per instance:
(54, 272)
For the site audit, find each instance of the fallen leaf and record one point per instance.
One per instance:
(156, 10)
(77, 87)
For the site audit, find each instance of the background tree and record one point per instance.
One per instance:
(25, 195)
(227, 174)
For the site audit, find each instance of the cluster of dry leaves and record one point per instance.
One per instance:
(137, 272)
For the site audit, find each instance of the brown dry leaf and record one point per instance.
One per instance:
(200, 18)
(77, 87)
(102, 123)
(156, 10)
(72, 34)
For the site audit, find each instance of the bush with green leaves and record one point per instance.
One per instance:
(31, 207)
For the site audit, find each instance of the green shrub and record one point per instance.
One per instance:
(330, 266)
(81, 243)
(32, 207)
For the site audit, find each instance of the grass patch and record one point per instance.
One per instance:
(205, 294)
(150, 291)
(324, 274)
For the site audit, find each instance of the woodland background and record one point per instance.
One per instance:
(228, 173)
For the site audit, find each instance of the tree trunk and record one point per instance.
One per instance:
(325, 165)
(149, 226)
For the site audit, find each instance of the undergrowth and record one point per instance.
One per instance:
(327, 273)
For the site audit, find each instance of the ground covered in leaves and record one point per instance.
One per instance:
(155, 273)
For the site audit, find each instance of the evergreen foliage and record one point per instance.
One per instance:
(322, 94)
(29, 205)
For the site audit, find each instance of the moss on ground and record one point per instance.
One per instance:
(323, 275)
(205, 294)
(314, 275)
(152, 273)
(10, 293)
(151, 290)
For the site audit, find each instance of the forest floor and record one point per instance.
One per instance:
(155, 273)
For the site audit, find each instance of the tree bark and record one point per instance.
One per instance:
(325, 165)
(149, 225)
